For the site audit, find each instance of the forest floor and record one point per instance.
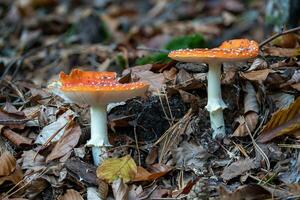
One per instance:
(163, 141)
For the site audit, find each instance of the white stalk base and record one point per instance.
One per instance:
(215, 104)
(99, 137)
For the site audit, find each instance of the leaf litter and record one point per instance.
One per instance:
(162, 145)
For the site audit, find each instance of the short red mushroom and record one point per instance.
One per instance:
(229, 51)
(96, 89)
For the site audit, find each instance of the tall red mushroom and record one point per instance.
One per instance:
(96, 89)
(229, 51)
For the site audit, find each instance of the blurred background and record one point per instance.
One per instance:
(39, 38)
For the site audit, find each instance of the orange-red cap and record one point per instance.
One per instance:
(88, 87)
(232, 50)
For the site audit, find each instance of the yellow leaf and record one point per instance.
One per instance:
(113, 168)
(284, 121)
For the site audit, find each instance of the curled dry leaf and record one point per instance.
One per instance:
(158, 170)
(114, 168)
(250, 101)
(259, 75)
(284, 121)
(16, 138)
(258, 64)
(66, 143)
(282, 52)
(120, 189)
(7, 164)
(102, 189)
(250, 120)
(12, 118)
(71, 195)
(250, 117)
(237, 168)
(9, 171)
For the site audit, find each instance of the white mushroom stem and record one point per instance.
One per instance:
(99, 138)
(215, 103)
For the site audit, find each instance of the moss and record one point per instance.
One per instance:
(180, 42)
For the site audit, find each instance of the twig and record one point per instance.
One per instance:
(153, 49)
(277, 35)
(136, 144)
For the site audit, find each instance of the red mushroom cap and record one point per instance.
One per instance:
(232, 50)
(94, 88)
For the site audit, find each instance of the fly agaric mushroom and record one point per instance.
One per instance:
(229, 51)
(96, 89)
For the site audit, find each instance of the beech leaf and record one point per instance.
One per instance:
(284, 121)
(114, 168)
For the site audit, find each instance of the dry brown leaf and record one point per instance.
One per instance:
(245, 192)
(58, 127)
(191, 155)
(296, 86)
(7, 164)
(251, 119)
(159, 170)
(237, 168)
(282, 52)
(286, 41)
(71, 195)
(102, 189)
(120, 190)
(283, 121)
(258, 64)
(9, 170)
(16, 138)
(259, 75)
(114, 168)
(250, 101)
(15, 177)
(66, 143)
(12, 118)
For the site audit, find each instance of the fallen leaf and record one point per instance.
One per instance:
(16, 138)
(103, 189)
(93, 194)
(155, 80)
(158, 170)
(7, 164)
(81, 171)
(259, 75)
(71, 195)
(57, 127)
(190, 155)
(238, 168)
(33, 161)
(120, 189)
(286, 41)
(66, 143)
(250, 120)
(9, 118)
(250, 101)
(245, 192)
(9, 170)
(114, 168)
(282, 52)
(258, 64)
(282, 100)
(283, 121)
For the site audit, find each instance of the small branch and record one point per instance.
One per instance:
(277, 35)
(153, 49)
